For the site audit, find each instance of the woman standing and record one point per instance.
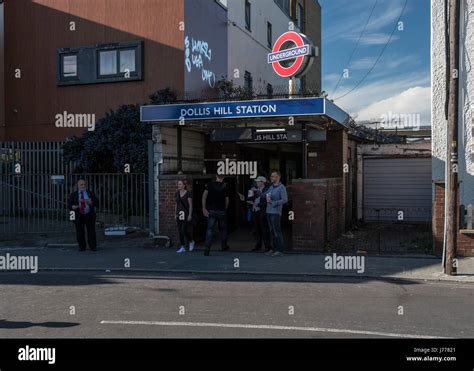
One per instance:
(184, 216)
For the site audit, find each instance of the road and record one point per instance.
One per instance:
(117, 305)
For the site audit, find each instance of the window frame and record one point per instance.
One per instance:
(248, 22)
(117, 73)
(269, 35)
(61, 67)
(88, 64)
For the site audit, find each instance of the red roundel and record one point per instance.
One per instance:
(297, 40)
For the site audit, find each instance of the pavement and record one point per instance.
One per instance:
(134, 255)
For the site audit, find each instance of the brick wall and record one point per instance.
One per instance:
(168, 187)
(329, 161)
(465, 242)
(313, 225)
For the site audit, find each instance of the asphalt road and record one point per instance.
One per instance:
(110, 305)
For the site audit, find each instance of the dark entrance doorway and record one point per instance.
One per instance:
(285, 158)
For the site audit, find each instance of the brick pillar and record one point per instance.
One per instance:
(314, 222)
(438, 219)
(465, 240)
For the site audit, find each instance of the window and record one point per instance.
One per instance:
(248, 82)
(127, 60)
(270, 90)
(247, 15)
(108, 63)
(69, 66)
(100, 63)
(111, 60)
(284, 5)
(269, 35)
(300, 17)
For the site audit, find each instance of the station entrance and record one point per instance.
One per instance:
(310, 150)
(282, 157)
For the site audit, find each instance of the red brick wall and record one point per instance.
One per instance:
(309, 199)
(166, 209)
(465, 242)
(329, 161)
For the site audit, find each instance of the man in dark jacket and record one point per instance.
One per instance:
(215, 201)
(84, 203)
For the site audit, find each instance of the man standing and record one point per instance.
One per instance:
(257, 198)
(276, 198)
(215, 201)
(84, 203)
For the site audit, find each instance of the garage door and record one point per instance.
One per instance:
(394, 185)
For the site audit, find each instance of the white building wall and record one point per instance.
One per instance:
(466, 95)
(248, 50)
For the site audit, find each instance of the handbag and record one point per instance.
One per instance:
(193, 216)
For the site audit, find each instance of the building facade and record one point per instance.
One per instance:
(439, 72)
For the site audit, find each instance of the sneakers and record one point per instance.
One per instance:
(269, 253)
(191, 246)
(277, 253)
(181, 250)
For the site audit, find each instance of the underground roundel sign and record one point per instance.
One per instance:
(292, 54)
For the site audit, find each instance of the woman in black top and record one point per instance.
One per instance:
(184, 215)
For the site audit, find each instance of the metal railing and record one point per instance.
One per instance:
(37, 203)
(385, 231)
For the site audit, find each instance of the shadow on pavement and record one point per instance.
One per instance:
(63, 278)
(4, 324)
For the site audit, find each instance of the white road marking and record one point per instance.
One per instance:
(269, 327)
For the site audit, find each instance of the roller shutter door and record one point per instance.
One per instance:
(392, 185)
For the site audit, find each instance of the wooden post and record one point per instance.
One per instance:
(452, 136)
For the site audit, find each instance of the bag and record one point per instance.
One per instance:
(194, 220)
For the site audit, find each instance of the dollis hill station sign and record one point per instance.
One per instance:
(291, 57)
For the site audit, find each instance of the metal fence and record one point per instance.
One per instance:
(37, 203)
(33, 158)
(387, 231)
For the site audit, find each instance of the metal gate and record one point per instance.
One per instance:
(35, 184)
(37, 203)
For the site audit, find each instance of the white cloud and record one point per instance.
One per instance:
(415, 100)
(378, 89)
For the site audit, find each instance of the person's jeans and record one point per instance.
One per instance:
(220, 218)
(261, 229)
(274, 223)
(185, 230)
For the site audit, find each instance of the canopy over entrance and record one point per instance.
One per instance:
(319, 111)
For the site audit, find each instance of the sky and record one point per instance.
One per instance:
(400, 82)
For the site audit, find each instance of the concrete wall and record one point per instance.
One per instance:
(312, 29)
(248, 50)
(205, 39)
(466, 94)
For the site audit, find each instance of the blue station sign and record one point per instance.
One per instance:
(234, 110)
